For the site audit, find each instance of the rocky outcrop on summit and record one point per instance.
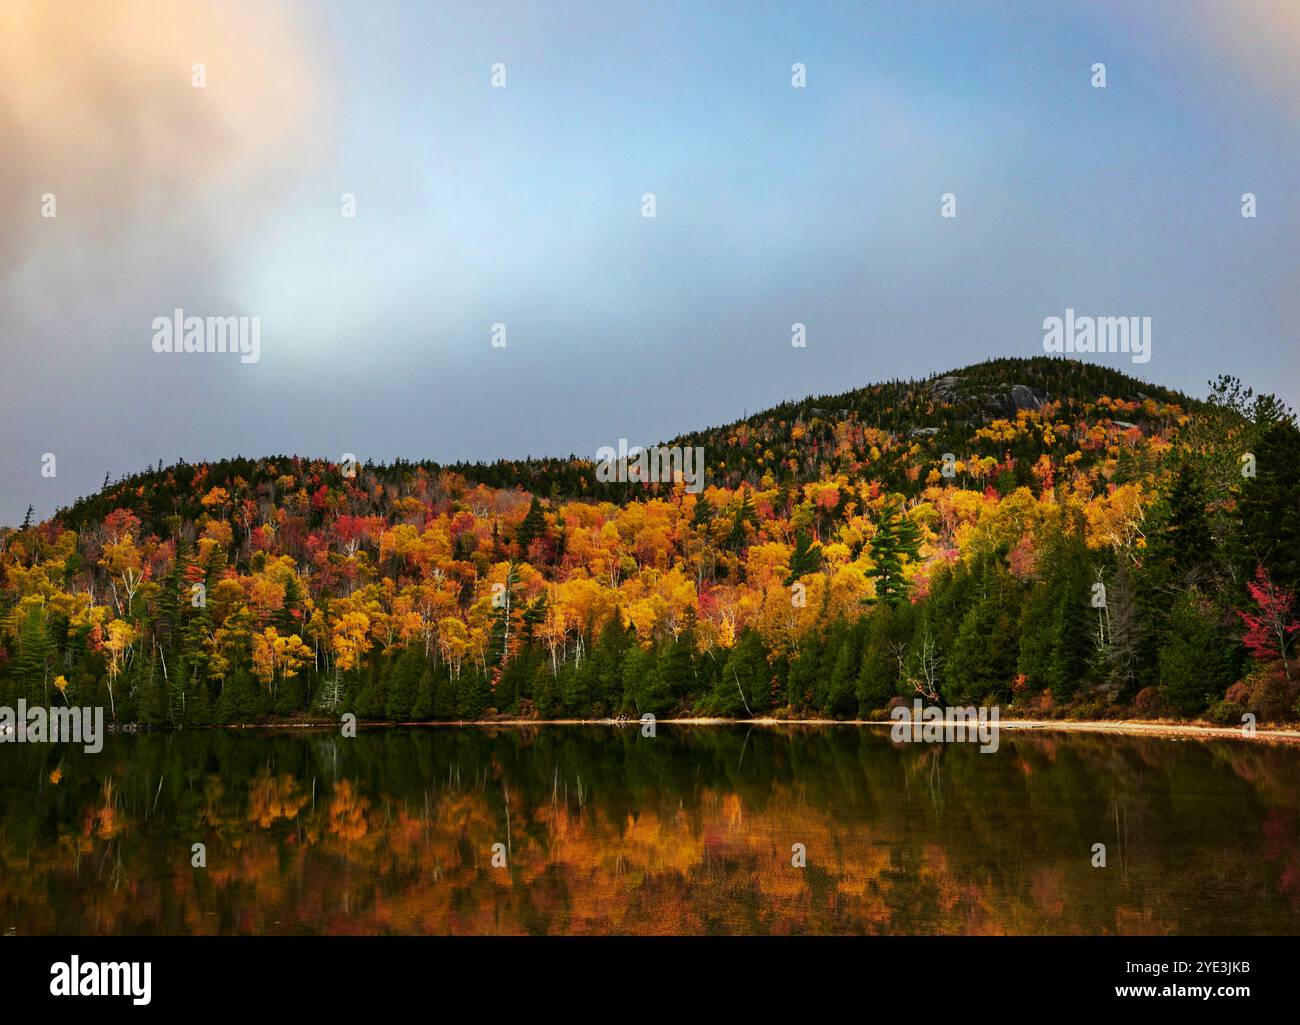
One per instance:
(1007, 400)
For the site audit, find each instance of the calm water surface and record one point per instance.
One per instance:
(607, 831)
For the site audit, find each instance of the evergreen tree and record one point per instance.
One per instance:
(1269, 506)
(1056, 642)
(473, 695)
(889, 630)
(35, 655)
(545, 689)
(982, 661)
(606, 666)
(151, 705)
(446, 697)
(745, 515)
(532, 528)
(404, 684)
(637, 664)
(806, 557)
(703, 515)
(242, 700)
(675, 672)
(1193, 667)
(744, 688)
(895, 543)
(839, 698)
(422, 707)
(805, 671)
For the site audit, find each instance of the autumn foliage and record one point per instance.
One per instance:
(948, 537)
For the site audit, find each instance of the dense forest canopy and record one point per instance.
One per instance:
(1044, 534)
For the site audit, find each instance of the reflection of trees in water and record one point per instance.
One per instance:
(608, 831)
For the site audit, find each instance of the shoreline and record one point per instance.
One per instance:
(1124, 727)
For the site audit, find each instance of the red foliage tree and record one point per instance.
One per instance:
(1269, 628)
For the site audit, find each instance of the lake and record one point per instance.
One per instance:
(605, 831)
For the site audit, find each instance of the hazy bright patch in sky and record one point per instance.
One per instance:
(523, 205)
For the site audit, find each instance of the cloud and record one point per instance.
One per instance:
(1261, 38)
(160, 188)
(1255, 40)
(97, 107)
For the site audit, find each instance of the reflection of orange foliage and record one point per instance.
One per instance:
(270, 799)
(731, 808)
(102, 822)
(348, 813)
(913, 847)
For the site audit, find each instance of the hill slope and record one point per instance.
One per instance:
(792, 443)
(1041, 534)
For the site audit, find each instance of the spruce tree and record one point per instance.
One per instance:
(703, 515)
(806, 557)
(532, 528)
(403, 685)
(1269, 507)
(1193, 664)
(896, 542)
(744, 514)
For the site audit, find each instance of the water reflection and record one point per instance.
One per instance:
(606, 831)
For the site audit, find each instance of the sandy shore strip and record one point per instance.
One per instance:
(1132, 727)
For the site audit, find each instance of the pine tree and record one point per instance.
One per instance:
(982, 661)
(744, 688)
(745, 515)
(35, 653)
(805, 558)
(889, 630)
(805, 671)
(1177, 553)
(403, 685)
(531, 529)
(606, 664)
(242, 700)
(1193, 666)
(676, 675)
(1269, 506)
(636, 667)
(1056, 642)
(422, 708)
(840, 700)
(473, 695)
(896, 542)
(288, 618)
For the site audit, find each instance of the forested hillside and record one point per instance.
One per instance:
(1046, 535)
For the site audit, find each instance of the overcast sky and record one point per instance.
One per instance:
(522, 205)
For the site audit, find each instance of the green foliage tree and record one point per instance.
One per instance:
(895, 543)
(806, 557)
(1193, 666)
